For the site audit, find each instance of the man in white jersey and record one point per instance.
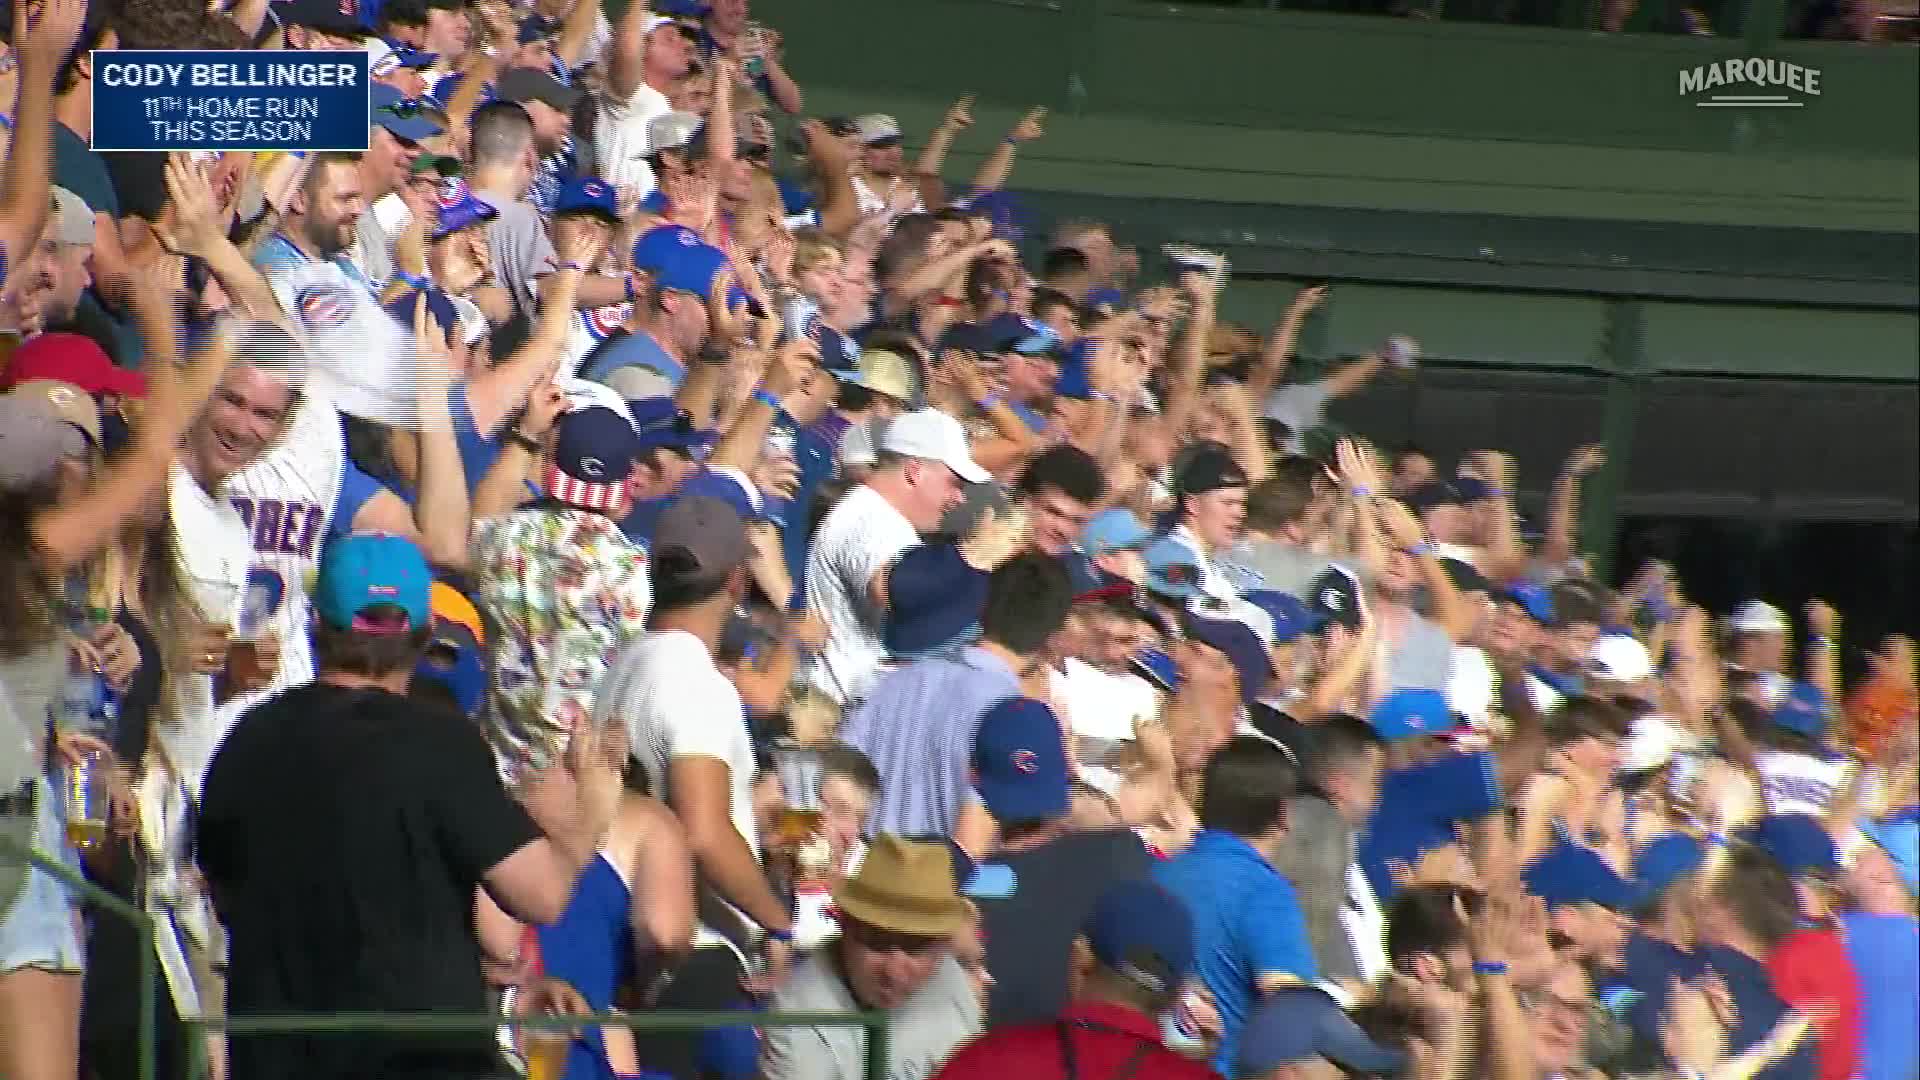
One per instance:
(278, 457)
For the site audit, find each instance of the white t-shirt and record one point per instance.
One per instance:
(620, 142)
(857, 539)
(675, 703)
(1214, 581)
(1470, 685)
(1101, 708)
(287, 500)
(1799, 783)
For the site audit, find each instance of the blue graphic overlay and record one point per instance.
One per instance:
(236, 100)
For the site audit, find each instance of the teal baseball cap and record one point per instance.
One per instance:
(365, 571)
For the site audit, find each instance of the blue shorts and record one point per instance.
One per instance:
(40, 929)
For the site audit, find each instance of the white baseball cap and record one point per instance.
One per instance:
(1759, 617)
(934, 436)
(1619, 658)
(1653, 742)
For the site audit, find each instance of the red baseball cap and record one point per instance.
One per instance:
(74, 359)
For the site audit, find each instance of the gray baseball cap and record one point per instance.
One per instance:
(32, 442)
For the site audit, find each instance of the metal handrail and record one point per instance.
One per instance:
(875, 1023)
(11, 849)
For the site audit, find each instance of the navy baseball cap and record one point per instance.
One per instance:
(1242, 648)
(1799, 842)
(660, 421)
(593, 454)
(1533, 598)
(1434, 493)
(340, 18)
(1144, 933)
(460, 207)
(1666, 860)
(1302, 1023)
(1290, 614)
(587, 195)
(1020, 762)
(1334, 598)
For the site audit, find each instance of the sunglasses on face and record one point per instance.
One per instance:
(874, 939)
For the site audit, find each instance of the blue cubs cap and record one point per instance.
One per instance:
(726, 488)
(1666, 860)
(1113, 530)
(1144, 933)
(1304, 1023)
(934, 600)
(1799, 842)
(1570, 873)
(1020, 762)
(369, 570)
(1411, 711)
(1290, 614)
(658, 246)
(587, 195)
(692, 270)
(1533, 598)
(1076, 364)
(406, 119)
(340, 18)
(1804, 711)
(1107, 299)
(1173, 569)
(1472, 489)
(439, 308)
(1158, 668)
(460, 207)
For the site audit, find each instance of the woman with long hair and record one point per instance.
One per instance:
(57, 510)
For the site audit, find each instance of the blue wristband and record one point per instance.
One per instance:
(1495, 967)
(785, 937)
(764, 398)
(989, 403)
(412, 281)
(1424, 548)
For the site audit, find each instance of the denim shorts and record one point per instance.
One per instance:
(39, 930)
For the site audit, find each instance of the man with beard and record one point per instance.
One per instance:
(322, 219)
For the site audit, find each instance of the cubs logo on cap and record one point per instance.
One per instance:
(1025, 761)
(324, 307)
(453, 192)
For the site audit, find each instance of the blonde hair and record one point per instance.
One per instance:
(813, 249)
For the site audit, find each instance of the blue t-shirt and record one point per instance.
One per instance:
(1885, 950)
(1247, 924)
(1760, 1009)
(1648, 968)
(814, 452)
(631, 350)
(1418, 809)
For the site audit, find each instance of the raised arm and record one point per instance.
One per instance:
(999, 164)
(933, 156)
(42, 44)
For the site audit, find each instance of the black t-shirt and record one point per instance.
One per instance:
(1030, 934)
(343, 833)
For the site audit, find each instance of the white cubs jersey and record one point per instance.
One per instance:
(287, 500)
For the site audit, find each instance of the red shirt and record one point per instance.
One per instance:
(1104, 1037)
(1811, 968)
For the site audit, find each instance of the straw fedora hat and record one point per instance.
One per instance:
(905, 887)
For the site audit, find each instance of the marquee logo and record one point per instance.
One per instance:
(1750, 83)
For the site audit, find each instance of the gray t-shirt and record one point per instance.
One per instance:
(1273, 564)
(373, 249)
(520, 247)
(1422, 658)
(1300, 406)
(921, 1034)
(29, 687)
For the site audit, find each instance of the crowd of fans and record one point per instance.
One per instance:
(589, 553)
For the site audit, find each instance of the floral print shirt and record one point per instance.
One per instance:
(561, 591)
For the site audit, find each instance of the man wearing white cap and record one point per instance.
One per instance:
(1757, 645)
(921, 469)
(648, 55)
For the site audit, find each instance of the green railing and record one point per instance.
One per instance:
(875, 1024)
(11, 851)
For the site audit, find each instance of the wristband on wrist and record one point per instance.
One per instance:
(412, 281)
(1011, 141)
(633, 292)
(582, 267)
(785, 937)
(1361, 491)
(760, 396)
(990, 402)
(1425, 548)
(1099, 395)
(1819, 641)
(1717, 839)
(1489, 967)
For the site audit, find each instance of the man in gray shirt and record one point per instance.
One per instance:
(898, 918)
(1343, 769)
(1274, 554)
